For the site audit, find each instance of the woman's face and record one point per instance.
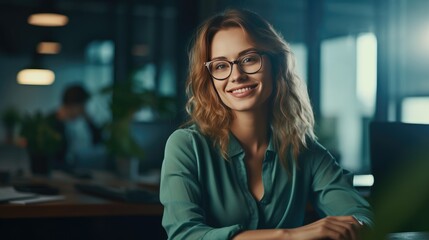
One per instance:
(241, 91)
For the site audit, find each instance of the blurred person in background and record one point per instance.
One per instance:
(71, 121)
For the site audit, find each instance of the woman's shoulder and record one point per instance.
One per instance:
(313, 147)
(315, 153)
(184, 148)
(186, 133)
(186, 136)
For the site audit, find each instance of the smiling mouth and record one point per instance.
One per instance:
(243, 89)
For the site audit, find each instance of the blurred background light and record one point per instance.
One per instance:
(36, 77)
(415, 110)
(364, 180)
(48, 48)
(140, 50)
(366, 73)
(101, 51)
(48, 19)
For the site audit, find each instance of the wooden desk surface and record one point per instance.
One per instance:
(77, 204)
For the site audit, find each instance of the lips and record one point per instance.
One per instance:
(243, 91)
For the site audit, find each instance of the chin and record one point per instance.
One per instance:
(243, 107)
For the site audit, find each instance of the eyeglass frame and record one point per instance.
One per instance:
(236, 61)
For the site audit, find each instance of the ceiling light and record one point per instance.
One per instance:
(48, 48)
(33, 76)
(140, 50)
(48, 19)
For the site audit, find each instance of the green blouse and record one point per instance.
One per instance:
(207, 197)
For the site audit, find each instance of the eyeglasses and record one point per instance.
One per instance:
(249, 63)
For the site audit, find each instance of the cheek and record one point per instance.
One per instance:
(216, 89)
(269, 79)
(268, 89)
(219, 86)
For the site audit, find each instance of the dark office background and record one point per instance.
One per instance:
(362, 61)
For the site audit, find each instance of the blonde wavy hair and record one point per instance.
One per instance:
(291, 117)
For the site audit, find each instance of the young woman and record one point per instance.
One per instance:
(248, 163)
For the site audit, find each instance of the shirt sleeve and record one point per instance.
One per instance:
(334, 194)
(181, 195)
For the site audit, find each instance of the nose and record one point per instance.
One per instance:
(236, 74)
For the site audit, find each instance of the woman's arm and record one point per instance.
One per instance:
(333, 191)
(181, 193)
(339, 227)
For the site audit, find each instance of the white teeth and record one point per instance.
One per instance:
(241, 90)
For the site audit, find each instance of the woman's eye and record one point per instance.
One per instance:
(220, 66)
(249, 59)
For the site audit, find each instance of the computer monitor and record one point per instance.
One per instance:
(399, 155)
(395, 145)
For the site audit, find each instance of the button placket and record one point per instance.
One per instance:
(251, 202)
(267, 168)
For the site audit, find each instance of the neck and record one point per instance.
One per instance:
(251, 129)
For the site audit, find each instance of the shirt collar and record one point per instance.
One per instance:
(234, 147)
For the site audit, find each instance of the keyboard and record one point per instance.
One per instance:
(126, 194)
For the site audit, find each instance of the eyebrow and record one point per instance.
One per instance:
(239, 54)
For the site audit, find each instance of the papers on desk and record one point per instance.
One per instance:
(9, 194)
(38, 199)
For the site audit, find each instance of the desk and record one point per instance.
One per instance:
(91, 215)
(77, 204)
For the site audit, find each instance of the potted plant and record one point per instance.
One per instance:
(125, 102)
(10, 118)
(42, 142)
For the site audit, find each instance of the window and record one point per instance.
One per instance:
(348, 93)
(300, 52)
(415, 110)
(98, 74)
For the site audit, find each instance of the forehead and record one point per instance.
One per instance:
(230, 42)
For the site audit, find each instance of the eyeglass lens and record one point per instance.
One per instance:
(249, 63)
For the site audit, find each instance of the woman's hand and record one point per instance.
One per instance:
(334, 227)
